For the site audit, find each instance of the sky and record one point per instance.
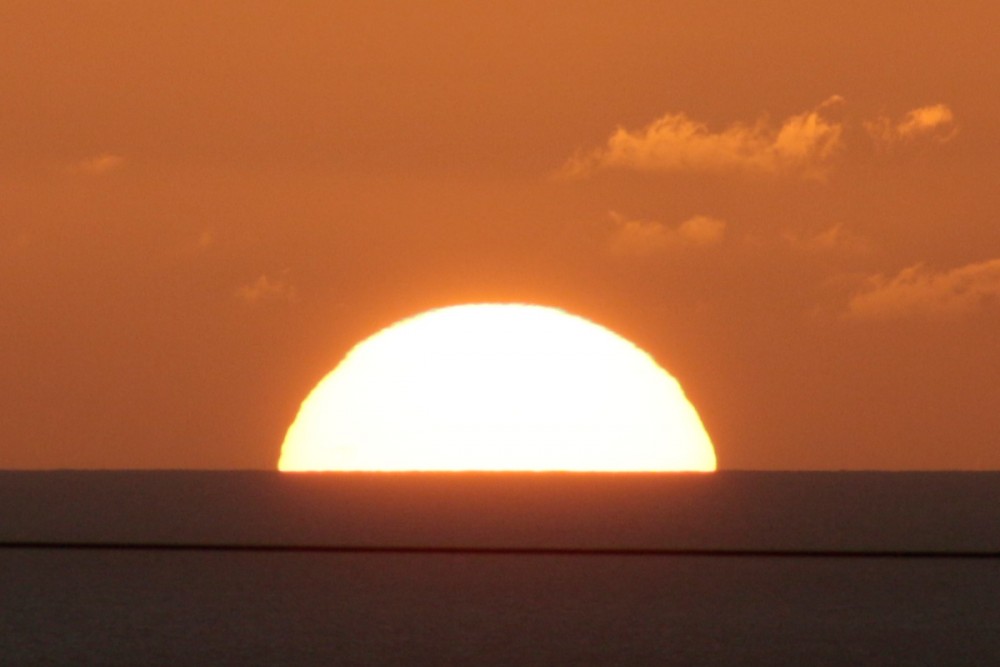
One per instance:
(791, 205)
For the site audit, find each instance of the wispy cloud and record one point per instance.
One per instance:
(643, 237)
(267, 289)
(917, 290)
(99, 165)
(803, 144)
(836, 238)
(935, 122)
(205, 240)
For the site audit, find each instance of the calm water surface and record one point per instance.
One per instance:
(156, 608)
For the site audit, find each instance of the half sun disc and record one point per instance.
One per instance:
(497, 387)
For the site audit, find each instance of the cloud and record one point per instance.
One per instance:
(917, 290)
(833, 239)
(936, 122)
(803, 144)
(99, 164)
(206, 240)
(643, 237)
(702, 230)
(266, 289)
(926, 120)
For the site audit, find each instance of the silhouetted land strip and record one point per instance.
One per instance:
(496, 551)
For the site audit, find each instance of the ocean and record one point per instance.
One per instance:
(733, 568)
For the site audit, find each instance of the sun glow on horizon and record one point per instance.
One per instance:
(497, 387)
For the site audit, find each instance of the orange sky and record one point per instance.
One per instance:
(793, 207)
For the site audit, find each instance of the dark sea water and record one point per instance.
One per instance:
(111, 606)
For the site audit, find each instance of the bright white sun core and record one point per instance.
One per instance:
(497, 387)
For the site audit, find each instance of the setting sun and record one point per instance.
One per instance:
(497, 387)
